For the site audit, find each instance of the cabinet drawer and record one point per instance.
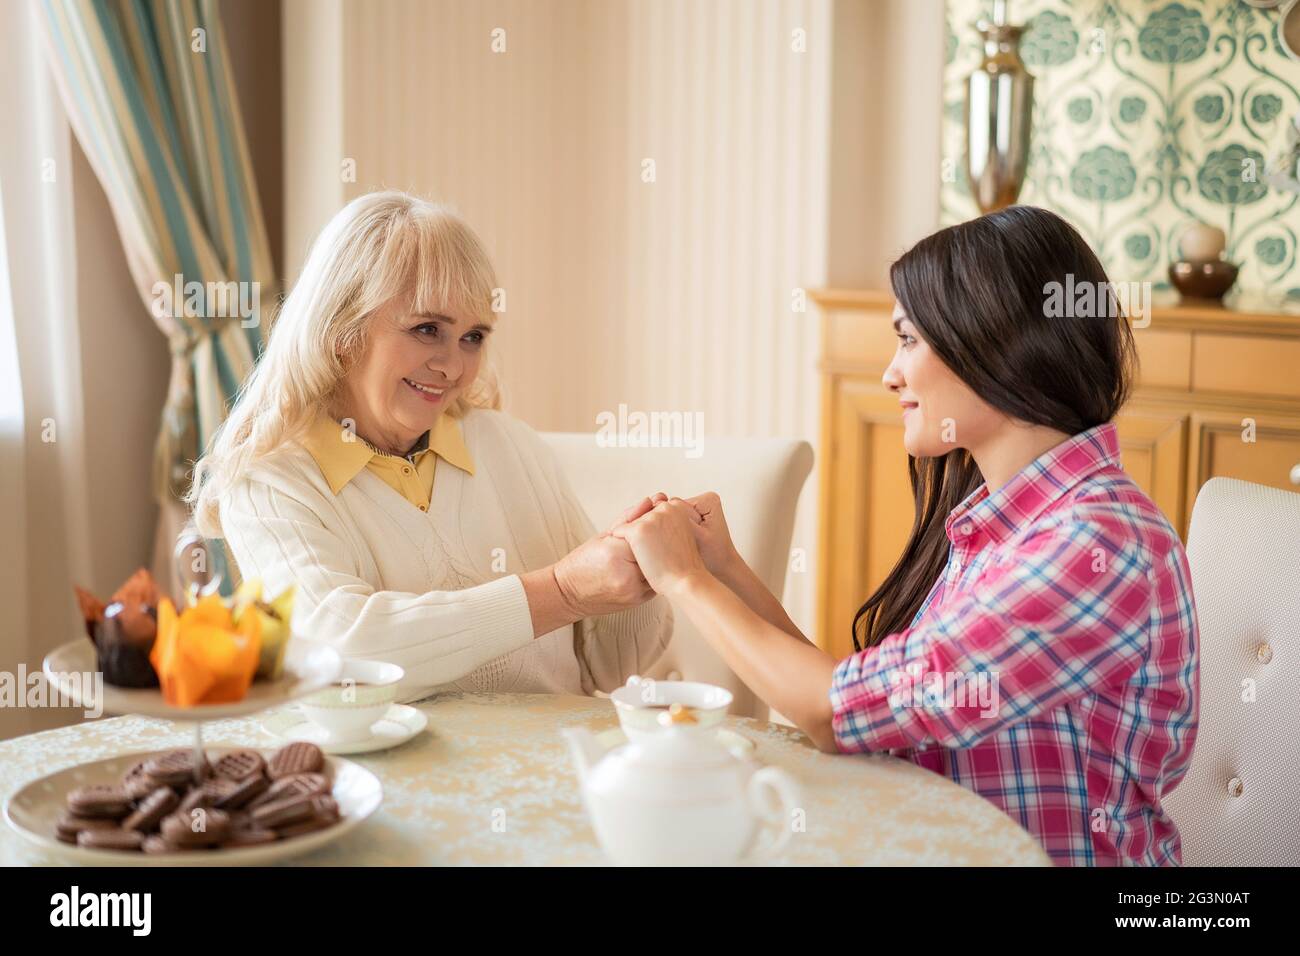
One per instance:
(1164, 358)
(1246, 364)
(1222, 447)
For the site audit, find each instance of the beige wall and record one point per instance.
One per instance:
(886, 132)
(313, 110)
(125, 369)
(253, 31)
(671, 295)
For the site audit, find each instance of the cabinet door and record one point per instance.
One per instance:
(1153, 446)
(866, 506)
(1244, 443)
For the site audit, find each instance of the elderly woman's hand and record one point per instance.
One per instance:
(601, 576)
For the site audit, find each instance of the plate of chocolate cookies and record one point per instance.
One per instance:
(238, 806)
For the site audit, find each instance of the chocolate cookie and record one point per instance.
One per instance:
(240, 765)
(243, 792)
(115, 839)
(249, 836)
(199, 827)
(324, 812)
(136, 782)
(309, 825)
(99, 800)
(152, 809)
(297, 757)
(207, 794)
(294, 785)
(284, 812)
(156, 844)
(174, 768)
(70, 825)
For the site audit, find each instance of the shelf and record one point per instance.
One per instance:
(1252, 316)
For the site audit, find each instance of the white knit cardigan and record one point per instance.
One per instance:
(437, 592)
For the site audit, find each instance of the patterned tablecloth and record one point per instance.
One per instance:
(491, 782)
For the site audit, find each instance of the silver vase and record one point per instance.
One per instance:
(999, 103)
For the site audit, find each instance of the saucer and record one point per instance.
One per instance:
(739, 746)
(399, 725)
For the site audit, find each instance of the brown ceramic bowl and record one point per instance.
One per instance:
(1203, 280)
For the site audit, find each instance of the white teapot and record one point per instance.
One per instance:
(680, 798)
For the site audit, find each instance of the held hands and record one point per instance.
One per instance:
(655, 544)
(678, 538)
(601, 576)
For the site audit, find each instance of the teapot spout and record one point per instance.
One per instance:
(584, 746)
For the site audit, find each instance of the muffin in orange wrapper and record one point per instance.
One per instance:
(123, 630)
(202, 656)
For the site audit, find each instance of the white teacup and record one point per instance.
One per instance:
(641, 700)
(360, 697)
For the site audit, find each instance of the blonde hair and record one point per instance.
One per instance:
(377, 247)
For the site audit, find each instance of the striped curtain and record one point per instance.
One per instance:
(148, 90)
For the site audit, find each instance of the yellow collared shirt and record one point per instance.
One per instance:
(341, 455)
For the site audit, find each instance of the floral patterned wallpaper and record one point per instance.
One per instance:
(1148, 115)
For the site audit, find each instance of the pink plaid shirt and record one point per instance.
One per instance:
(1053, 669)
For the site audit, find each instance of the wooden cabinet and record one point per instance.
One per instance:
(1218, 395)
(873, 501)
(1153, 448)
(1246, 442)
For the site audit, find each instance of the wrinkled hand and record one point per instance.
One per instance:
(664, 544)
(601, 576)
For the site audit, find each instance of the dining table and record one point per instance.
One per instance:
(491, 781)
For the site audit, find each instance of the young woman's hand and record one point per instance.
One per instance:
(664, 543)
(711, 532)
(637, 510)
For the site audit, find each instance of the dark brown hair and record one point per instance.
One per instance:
(978, 293)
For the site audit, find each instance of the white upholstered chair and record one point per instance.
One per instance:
(1239, 804)
(759, 481)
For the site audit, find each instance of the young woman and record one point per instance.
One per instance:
(1036, 641)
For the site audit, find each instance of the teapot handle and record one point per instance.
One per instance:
(774, 814)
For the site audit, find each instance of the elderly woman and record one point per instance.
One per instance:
(365, 462)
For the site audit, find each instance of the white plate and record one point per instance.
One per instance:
(33, 811)
(739, 745)
(308, 666)
(399, 725)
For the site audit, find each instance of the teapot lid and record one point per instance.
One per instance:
(682, 743)
(682, 763)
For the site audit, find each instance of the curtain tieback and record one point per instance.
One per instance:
(186, 339)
